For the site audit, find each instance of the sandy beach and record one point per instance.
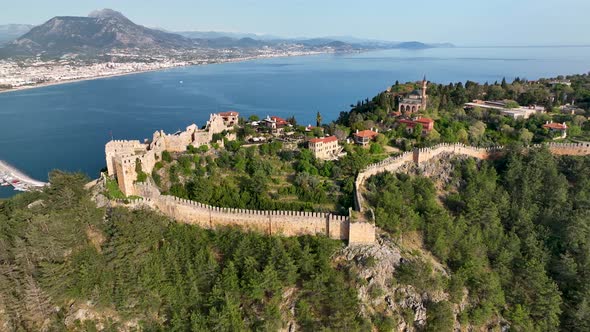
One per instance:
(42, 85)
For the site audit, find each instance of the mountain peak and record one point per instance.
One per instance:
(102, 31)
(107, 13)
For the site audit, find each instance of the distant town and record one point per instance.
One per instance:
(19, 73)
(66, 49)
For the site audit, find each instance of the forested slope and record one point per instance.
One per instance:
(67, 265)
(515, 233)
(506, 243)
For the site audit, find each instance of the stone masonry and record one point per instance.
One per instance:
(392, 164)
(123, 156)
(285, 223)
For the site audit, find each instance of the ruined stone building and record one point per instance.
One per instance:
(230, 118)
(125, 158)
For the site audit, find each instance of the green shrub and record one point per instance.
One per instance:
(166, 156)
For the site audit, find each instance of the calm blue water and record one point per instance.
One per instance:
(66, 126)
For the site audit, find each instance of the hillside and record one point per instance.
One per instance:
(450, 256)
(10, 32)
(100, 31)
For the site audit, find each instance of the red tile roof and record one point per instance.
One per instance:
(230, 113)
(555, 126)
(278, 120)
(366, 133)
(425, 120)
(324, 139)
(409, 123)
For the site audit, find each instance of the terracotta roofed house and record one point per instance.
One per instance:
(275, 123)
(557, 127)
(364, 137)
(325, 148)
(427, 124)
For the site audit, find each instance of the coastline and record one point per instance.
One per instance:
(47, 84)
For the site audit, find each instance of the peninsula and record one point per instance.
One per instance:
(417, 209)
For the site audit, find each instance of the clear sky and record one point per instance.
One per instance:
(463, 22)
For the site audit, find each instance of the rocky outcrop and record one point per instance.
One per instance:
(83, 312)
(379, 293)
(440, 169)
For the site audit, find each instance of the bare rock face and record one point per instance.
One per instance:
(101, 200)
(379, 261)
(37, 203)
(439, 169)
(82, 312)
(376, 265)
(4, 319)
(378, 291)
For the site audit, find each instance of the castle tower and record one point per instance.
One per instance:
(424, 96)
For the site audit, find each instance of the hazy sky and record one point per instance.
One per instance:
(463, 22)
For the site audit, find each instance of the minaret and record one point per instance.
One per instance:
(424, 96)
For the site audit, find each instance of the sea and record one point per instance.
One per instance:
(66, 126)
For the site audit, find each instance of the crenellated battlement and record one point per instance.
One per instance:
(121, 155)
(421, 155)
(247, 212)
(122, 142)
(293, 223)
(287, 223)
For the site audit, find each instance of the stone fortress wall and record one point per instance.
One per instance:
(122, 156)
(418, 156)
(286, 223)
(122, 160)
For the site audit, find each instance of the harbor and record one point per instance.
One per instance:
(11, 176)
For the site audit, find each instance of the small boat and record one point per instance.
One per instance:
(181, 82)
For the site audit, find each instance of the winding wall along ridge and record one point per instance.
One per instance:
(295, 223)
(286, 223)
(392, 164)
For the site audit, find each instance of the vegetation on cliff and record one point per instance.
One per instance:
(514, 232)
(263, 177)
(518, 249)
(63, 257)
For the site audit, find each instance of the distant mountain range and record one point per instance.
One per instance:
(11, 32)
(106, 29)
(363, 42)
(100, 31)
(221, 34)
